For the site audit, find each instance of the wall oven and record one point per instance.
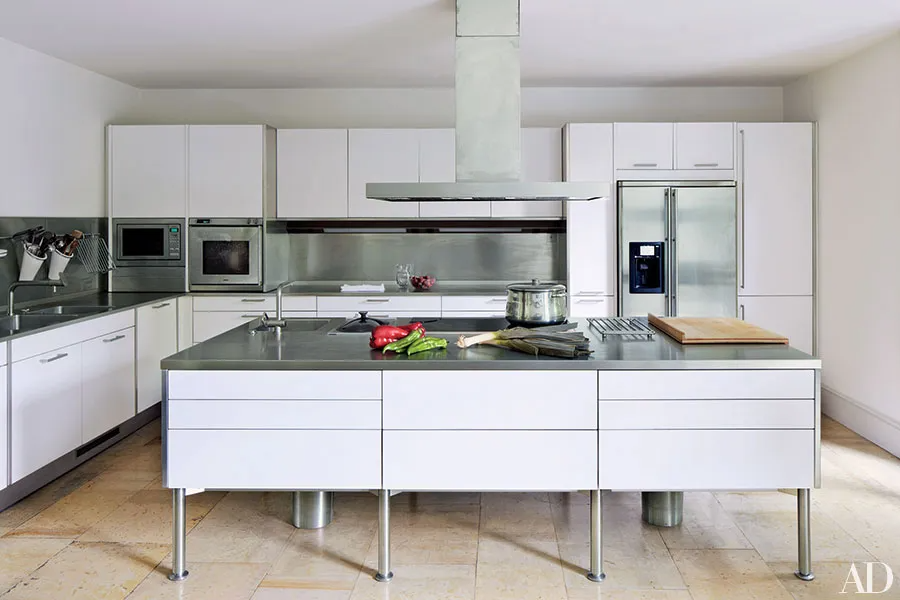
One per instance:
(225, 254)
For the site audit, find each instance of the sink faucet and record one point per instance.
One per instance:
(42, 283)
(278, 322)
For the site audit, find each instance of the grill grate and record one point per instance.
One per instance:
(625, 328)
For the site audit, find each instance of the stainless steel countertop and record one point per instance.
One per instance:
(239, 350)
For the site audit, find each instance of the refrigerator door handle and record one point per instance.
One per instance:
(673, 255)
(667, 267)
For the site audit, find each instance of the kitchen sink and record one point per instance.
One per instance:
(66, 309)
(16, 323)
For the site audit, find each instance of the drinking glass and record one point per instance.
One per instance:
(402, 275)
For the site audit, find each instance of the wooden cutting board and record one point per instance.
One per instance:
(714, 330)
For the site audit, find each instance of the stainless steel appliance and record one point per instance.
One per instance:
(226, 254)
(536, 303)
(678, 248)
(149, 255)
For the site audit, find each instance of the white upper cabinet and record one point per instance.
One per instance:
(147, 168)
(437, 163)
(790, 316)
(775, 172)
(312, 174)
(541, 161)
(226, 166)
(591, 225)
(644, 145)
(704, 145)
(381, 156)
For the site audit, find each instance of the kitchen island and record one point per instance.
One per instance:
(310, 410)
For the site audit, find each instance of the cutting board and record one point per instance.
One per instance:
(714, 330)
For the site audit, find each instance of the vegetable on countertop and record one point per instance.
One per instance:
(553, 340)
(383, 331)
(380, 342)
(403, 343)
(413, 326)
(428, 343)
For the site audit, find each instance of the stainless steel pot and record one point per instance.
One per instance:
(536, 303)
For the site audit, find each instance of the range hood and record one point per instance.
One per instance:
(488, 117)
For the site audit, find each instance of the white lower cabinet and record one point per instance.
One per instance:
(157, 338)
(46, 409)
(107, 383)
(790, 316)
(4, 438)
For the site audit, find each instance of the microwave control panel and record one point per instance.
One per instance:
(173, 234)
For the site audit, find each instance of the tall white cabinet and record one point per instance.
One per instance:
(147, 170)
(312, 174)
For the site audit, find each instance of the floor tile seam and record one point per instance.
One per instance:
(35, 570)
(105, 515)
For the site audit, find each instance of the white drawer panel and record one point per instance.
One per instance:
(582, 306)
(490, 400)
(377, 314)
(490, 460)
(236, 302)
(274, 385)
(697, 385)
(380, 304)
(274, 414)
(707, 460)
(273, 459)
(40, 343)
(475, 303)
(301, 303)
(707, 414)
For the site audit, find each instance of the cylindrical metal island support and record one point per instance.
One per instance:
(312, 510)
(663, 509)
(804, 537)
(383, 574)
(179, 532)
(596, 573)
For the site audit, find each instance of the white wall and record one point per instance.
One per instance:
(52, 137)
(541, 107)
(857, 105)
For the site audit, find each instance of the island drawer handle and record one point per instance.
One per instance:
(250, 316)
(706, 165)
(380, 316)
(253, 299)
(377, 300)
(645, 165)
(163, 305)
(44, 361)
(114, 339)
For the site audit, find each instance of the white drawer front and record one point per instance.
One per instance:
(275, 414)
(273, 459)
(591, 306)
(697, 385)
(274, 385)
(40, 343)
(377, 314)
(299, 303)
(495, 304)
(379, 304)
(490, 460)
(707, 414)
(490, 400)
(232, 302)
(707, 460)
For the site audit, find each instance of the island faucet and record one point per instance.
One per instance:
(17, 284)
(278, 322)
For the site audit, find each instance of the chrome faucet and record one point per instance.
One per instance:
(279, 322)
(17, 284)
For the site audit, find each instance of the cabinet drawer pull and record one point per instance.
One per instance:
(114, 339)
(59, 356)
(645, 165)
(590, 294)
(498, 300)
(163, 305)
(380, 316)
(377, 300)
(598, 301)
(706, 165)
(250, 316)
(253, 299)
(742, 311)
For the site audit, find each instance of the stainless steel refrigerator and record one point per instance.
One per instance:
(677, 248)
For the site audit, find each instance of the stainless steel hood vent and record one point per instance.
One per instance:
(488, 116)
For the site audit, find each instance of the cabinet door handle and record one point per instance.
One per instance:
(253, 299)
(250, 316)
(583, 301)
(645, 165)
(497, 300)
(743, 203)
(380, 316)
(114, 339)
(590, 294)
(377, 300)
(59, 356)
(706, 165)
(741, 308)
(163, 305)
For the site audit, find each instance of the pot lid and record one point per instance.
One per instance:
(536, 286)
(362, 324)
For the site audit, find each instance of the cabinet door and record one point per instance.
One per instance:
(225, 176)
(46, 409)
(156, 330)
(776, 215)
(211, 324)
(312, 174)
(381, 156)
(437, 163)
(590, 226)
(148, 170)
(541, 161)
(704, 145)
(185, 307)
(107, 382)
(790, 316)
(4, 438)
(644, 145)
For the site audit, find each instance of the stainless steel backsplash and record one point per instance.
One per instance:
(500, 257)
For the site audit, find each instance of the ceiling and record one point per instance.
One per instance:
(409, 43)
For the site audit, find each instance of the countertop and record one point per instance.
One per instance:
(238, 349)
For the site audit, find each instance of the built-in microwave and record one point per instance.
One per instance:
(148, 242)
(225, 254)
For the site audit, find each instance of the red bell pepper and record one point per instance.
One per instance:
(389, 331)
(413, 326)
(380, 342)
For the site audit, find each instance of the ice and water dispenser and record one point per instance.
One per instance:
(646, 268)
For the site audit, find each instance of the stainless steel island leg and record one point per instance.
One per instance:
(384, 537)
(179, 532)
(804, 537)
(596, 573)
(312, 510)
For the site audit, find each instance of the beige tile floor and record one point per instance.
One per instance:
(102, 532)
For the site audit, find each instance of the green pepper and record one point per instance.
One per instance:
(405, 342)
(428, 343)
(429, 354)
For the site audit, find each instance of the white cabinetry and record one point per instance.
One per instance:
(644, 145)
(157, 338)
(381, 156)
(312, 174)
(437, 164)
(704, 146)
(226, 172)
(790, 316)
(541, 162)
(147, 170)
(107, 383)
(213, 315)
(4, 430)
